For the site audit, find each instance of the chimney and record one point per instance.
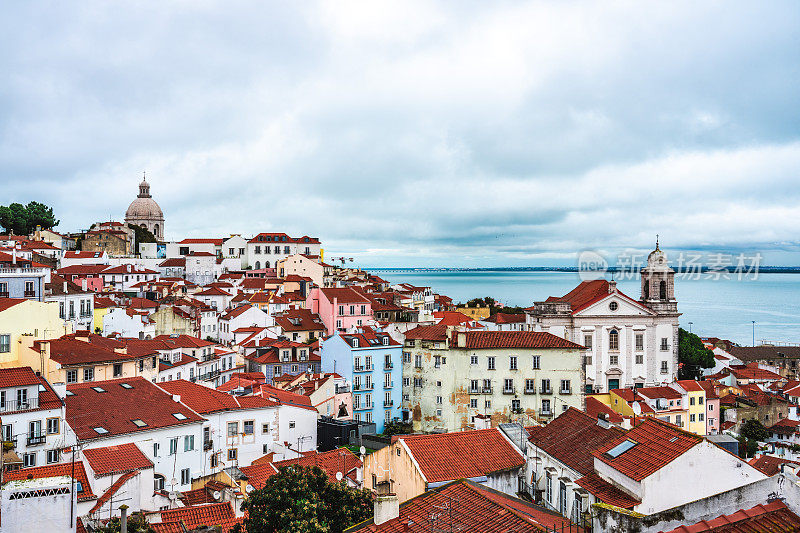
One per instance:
(462, 339)
(60, 388)
(14, 255)
(65, 287)
(612, 287)
(84, 284)
(386, 508)
(176, 398)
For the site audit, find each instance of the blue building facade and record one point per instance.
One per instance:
(371, 362)
(21, 278)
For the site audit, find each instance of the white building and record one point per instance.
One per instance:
(134, 410)
(32, 413)
(128, 323)
(75, 303)
(629, 343)
(124, 277)
(244, 316)
(38, 504)
(266, 249)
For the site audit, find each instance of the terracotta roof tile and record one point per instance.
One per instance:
(606, 492)
(206, 400)
(462, 454)
(339, 460)
(511, 339)
(108, 494)
(774, 516)
(61, 469)
(214, 514)
(116, 459)
(657, 444)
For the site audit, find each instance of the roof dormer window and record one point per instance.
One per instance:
(355, 343)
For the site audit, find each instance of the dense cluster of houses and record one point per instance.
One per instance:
(179, 379)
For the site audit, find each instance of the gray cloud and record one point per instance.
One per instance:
(414, 132)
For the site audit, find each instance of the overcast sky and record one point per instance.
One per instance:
(415, 133)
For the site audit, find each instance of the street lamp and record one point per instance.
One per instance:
(690, 326)
(754, 332)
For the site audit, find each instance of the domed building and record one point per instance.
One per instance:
(145, 212)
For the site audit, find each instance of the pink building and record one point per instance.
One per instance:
(713, 414)
(340, 309)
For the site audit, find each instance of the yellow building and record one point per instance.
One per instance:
(695, 404)
(22, 322)
(475, 313)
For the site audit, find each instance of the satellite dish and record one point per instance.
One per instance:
(362, 450)
(249, 488)
(171, 495)
(216, 494)
(339, 476)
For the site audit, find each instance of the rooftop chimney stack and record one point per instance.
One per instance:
(386, 508)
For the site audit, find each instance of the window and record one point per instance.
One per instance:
(248, 427)
(352, 309)
(439, 400)
(537, 362)
(233, 429)
(701, 417)
(155, 449)
(188, 443)
(473, 360)
(530, 385)
(29, 459)
(291, 424)
(214, 460)
(613, 359)
(474, 385)
(508, 385)
(117, 370)
(437, 361)
(473, 403)
(515, 405)
(639, 341)
(487, 404)
(417, 361)
(406, 382)
(53, 426)
(664, 367)
(700, 400)
(341, 310)
(639, 358)
(613, 340)
(691, 400)
(490, 360)
(711, 407)
(186, 478)
(512, 362)
(232, 454)
(545, 386)
(565, 386)
(72, 376)
(664, 344)
(548, 487)
(88, 374)
(613, 306)
(173, 446)
(692, 418)
(5, 343)
(53, 456)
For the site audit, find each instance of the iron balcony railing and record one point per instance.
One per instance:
(24, 405)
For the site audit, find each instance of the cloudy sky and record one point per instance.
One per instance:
(415, 133)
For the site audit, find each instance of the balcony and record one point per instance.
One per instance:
(509, 390)
(548, 390)
(342, 389)
(545, 413)
(388, 385)
(3, 294)
(388, 404)
(364, 407)
(477, 390)
(29, 294)
(35, 440)
(487, 390)
(12, 405)
(565, 391)
(208, 445)
(388, 366)
(363, 387)
(529, 391)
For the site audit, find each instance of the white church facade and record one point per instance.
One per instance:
(629, 342)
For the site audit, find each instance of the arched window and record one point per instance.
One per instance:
(258, 265)
(613, 340)
(647, 290)
(155, 230)
(266, 264)
(662, 289)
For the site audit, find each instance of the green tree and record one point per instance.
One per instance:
(23, 219)
(397, 428)
(142, 235)
(754, 430)
(693, 356)
(747, 448)
(301, 499)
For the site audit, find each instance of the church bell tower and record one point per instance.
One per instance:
(658, 283)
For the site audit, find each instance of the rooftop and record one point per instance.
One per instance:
(773, 516)
(118, 459)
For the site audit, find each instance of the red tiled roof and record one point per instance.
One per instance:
(216, 242)
(61, 469)
(213, 514)
(774, 516)
(690, 385)
(258, 474)
(428, 333)
(752, 371)
(339, 460)
(594, 407)
(588, 293)
(511, 339)
(572, 437)
(17, 377)
(116, 459)
(606, 492)
(345, 295)
(306, 320)
(451, 318)
(506, 318)
(479, 509)
(173, 262)
(771, 465)
(659, 392)
(212, 291)
(658, 443)
(70, 351)
(111, 410)
(206, 400)
(462, 454)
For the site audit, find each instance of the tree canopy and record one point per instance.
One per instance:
(301, 499)
(692, 355)
(142, 235)
(754, 430)
(23, 219)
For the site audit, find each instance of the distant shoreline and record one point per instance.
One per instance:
(731, 270)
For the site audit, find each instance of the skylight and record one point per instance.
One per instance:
(70, 393)
(621, 448)
(101, 430)
(126, 385)
(98, 389)
(139, 423)
(180, 416)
